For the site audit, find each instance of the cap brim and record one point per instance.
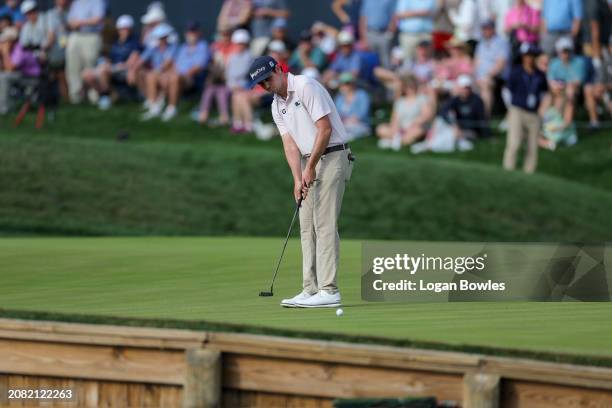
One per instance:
(265, 76)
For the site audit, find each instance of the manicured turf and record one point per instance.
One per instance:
(218, 280)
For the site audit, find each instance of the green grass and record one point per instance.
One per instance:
(218, 280)
(179, 179)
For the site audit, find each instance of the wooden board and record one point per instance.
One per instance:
(333, 380)
(93, 362)
(523, 394)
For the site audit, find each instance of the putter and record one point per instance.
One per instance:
(271, 292)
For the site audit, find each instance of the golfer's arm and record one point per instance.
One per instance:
(324, 131)
(293, 156)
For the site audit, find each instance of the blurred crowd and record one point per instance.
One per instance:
(444, 67)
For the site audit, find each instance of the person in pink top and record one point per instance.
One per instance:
(523, 23)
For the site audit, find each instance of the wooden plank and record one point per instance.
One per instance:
(202, 386)
(523, 394)
(100, 334)
(113, 394)
(333, 380)
(170, 396)
(93, 362)
(481, 390)
(328, 351)
(554, 373)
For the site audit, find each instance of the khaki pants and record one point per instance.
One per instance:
(319, 222)
(82, 51)
(522, 122)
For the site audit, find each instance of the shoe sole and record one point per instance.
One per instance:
(319, 306)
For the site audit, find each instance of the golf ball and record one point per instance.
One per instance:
(339, 312)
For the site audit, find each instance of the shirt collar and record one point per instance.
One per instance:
(290, 82)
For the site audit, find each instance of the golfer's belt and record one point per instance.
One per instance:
(331, 149)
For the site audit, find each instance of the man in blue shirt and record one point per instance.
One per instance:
(160, 61)
(528, 87)
(415, 19)
(189, 66)
(12, 9)
(567, 72)
(375, 28)
(490, 59)
(560, 18)
(347, 60)
(114, 68)
(85, 20)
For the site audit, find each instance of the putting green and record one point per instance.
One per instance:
(218, 280)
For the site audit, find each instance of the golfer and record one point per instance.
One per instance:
(321, 163)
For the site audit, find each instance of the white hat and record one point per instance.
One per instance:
(464, 81)
(162, 30)
(277, 46)
(124, 21)
(27, 6)
(153, 15)
(241, 36)
(345, 38)
(564, 43)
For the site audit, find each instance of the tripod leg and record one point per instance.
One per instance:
(22, 112)
(40, 117)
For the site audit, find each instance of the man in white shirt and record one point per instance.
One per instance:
(321, 163)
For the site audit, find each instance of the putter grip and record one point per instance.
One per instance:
(299, 202)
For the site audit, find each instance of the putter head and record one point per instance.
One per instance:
(266, 294)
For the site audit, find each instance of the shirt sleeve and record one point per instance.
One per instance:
(362, 108)
(577, 10)
(278, 120)
(315, 102)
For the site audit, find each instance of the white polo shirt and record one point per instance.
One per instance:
(307, 101)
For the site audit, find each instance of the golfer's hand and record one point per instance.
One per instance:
(297, 190)
(308, 178)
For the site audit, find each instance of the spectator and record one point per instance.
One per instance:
(443, 27)
(324, 37)
(5, 21)
(595, 91)
(557, 121)
(236, 73)
(348, 12)
(12, 9)
(456, 64)
(85, 20)
(307, 55)
(422, 68)
(35, 31)
(415, 21)
(522, 24)
(114, 68)
(234, 14)
(596, 29)
(160, 60)
(15, 62)
(354, 107)
(279, 33)
(466, 20)
(277, 50)
(347, 60)
(15, 58)
(154, 16)
(412, 112)
(567, 71)
(527, 85)
(496, 10)
(375, 29)
(222, 49)
(465, 112)
(560, 18)
(264, 14)
(187, 70)
(491, 54)
(57, 20)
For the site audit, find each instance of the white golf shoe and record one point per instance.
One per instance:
(292, 302)
(321, 299)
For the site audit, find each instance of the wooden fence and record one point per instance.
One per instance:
(115, 366)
